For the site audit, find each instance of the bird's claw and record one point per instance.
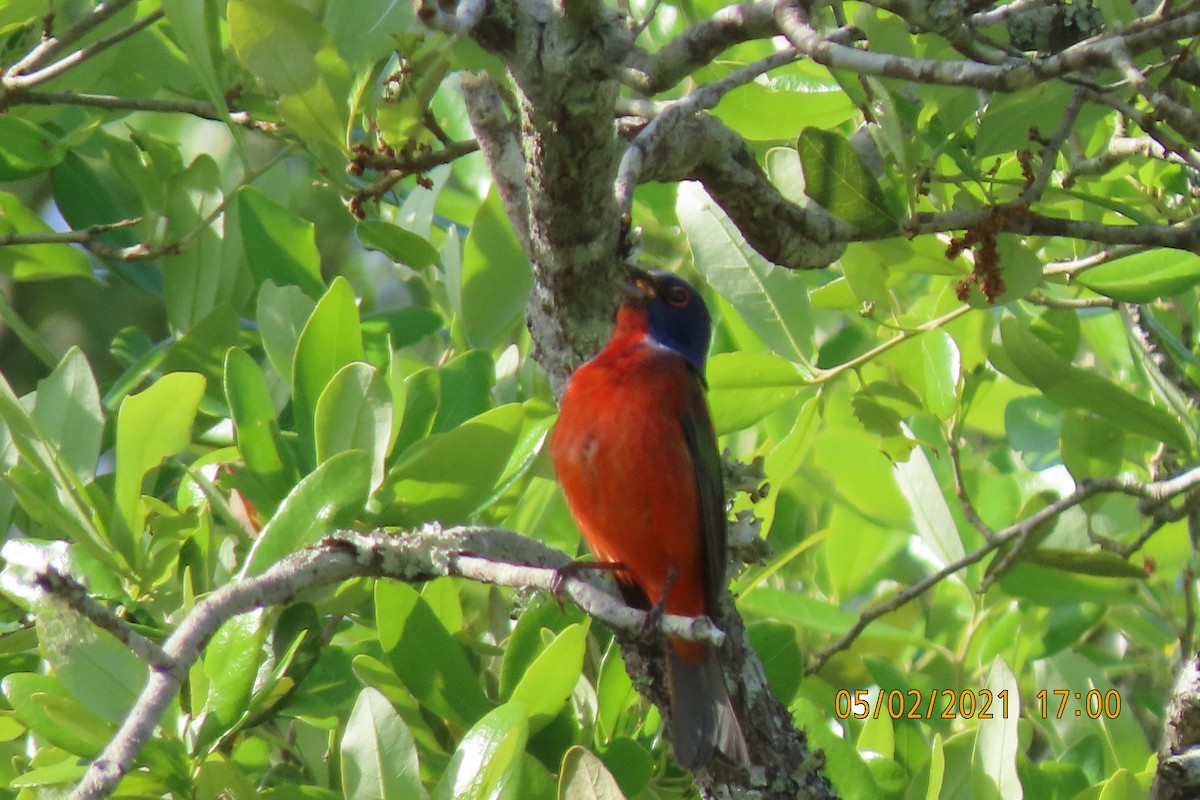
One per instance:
(653, 620)
(572, 570)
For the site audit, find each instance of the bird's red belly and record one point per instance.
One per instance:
(628, 476)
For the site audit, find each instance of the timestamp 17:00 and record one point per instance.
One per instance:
(1093, 703)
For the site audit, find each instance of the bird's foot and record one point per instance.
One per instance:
(654, 615)
(573, 569)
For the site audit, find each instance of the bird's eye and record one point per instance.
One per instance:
(679, 296)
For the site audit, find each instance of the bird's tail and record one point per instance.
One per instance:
(702, 716)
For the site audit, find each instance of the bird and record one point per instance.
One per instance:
(636, 456)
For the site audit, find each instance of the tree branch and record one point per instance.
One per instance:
(498, 139)
(484, 554)
(1015, 74)
(113, 102)
(563, 60)
(700, 44)
(1178, 773)
(702, 148)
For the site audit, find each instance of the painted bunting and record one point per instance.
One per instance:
(635, 452)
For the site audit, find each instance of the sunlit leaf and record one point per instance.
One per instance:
(836, 177)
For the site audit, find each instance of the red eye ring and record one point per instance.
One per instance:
(679, 296)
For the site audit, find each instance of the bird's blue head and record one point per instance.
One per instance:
(677, 317)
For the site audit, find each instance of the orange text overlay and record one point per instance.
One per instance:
(916, 704)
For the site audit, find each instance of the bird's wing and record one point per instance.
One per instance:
(710, 489)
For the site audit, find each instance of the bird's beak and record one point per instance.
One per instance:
(639, 286)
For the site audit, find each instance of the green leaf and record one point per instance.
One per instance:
(366, 31)
(943, 371)
(496, 276)
(218, 778)
(777, 648)
(400, 245)
(355, 413)
(296, 640)
(931, 513)
(937, 769)
(1075, 388)
(773, 302)
(202, 349)
(88, 191)
(1099, 563)
(287, 48)
(1006, 123)
(331, 339)
(527, 639)
(256, 426)
(549, 681)
(231, 663)
(280, 246)
(583, 776)
(404, 326)
(282, 313)
(198, 277)
(487, 763)
(465, 386)
(276, 42)
(766, 113)
(996, 742)
(196, 26)
(1091, 446)
(332, 495)
(31, 262)
(844, 765)
(1123, 785)
(422, 396)
(46, 487)
(1051, 587)
(836, 177)
(1144, 277)
(426, 657)
(92, 665)
(818, 615)
(151, 426)
(63, 772)
(43, 705)
(745, 387)
(834, 296)
(447, 476)
(379, 756)
(615, 695)
(27, 150)
(68, 412)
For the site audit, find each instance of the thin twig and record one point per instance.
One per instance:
(75, 595)
(52, 44)
(960, 489)
(1040, 299)
(195, 108)
(826, 375)
(1158, 491)
(1053, 146)
(24, 81)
